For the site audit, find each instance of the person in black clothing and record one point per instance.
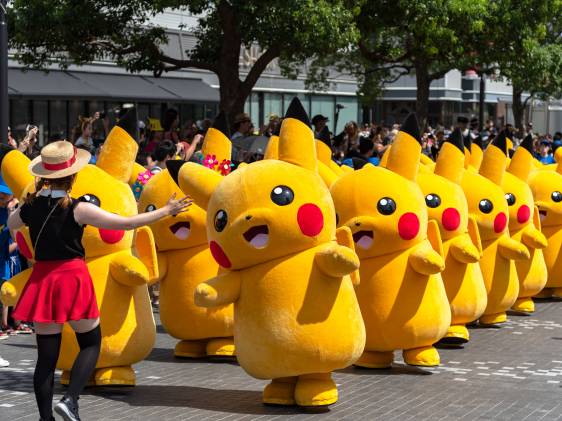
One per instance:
(60, 288)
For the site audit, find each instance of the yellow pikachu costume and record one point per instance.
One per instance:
(120, 279)
(446, 205)
(546, 186)
(487, 204)
(185, 261)
(525, 226)
(401, 294)
(272, 224)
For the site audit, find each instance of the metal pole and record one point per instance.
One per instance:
(481, 99)
(4, 103)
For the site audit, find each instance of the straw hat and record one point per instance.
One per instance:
(59, 159)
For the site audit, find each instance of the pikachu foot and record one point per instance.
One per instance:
(280, 391)
(65, 379)
(492, 319)
(220, 347)
(316, 390)
(545, 293)
(374, 359)
(425, 356)
(524, 305)
(191, 349)
(110, 376)
(456, 335)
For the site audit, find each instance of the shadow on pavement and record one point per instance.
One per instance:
(397, 369)
(166, 355)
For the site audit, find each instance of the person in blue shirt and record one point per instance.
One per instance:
(545, 154)
(366, 150)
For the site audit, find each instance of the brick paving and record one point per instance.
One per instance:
(508, 373)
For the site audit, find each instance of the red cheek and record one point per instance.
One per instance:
(219, 255)
(111, 236)
(23, 247)
(523, 214)
(310, 219)
(500, 221)
(451, 219)
(408, 226)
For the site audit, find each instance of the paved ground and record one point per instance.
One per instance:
(510, 373)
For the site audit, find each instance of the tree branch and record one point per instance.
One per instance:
(177, 64)
(259, 67)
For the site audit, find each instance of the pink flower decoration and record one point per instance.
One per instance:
(224, 167)
(210, 161)
(143, 177)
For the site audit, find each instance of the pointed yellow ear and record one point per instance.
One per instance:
(272, 149)
(494, 161)
(296, 140)
(145, 248)
(323, 152)
(521, 163)
(217, 140)
(476, 156)
(474, 234)
(434, 237)
(404, 157)
(137, 169)
(450, 162)
(16, 174)
(537, 219)
(326, 174)
(558, 158)
(384, 157)
(195, 180)
(345, 169)
(426, 160)
(118, 154)
(466, 158)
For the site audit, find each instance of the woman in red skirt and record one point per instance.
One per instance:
(60, 289)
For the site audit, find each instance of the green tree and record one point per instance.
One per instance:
(427, 38)
(80, 31)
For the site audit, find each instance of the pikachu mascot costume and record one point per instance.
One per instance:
(487, 204)
(272, 224)
(446, 205)
(185, 261)
(546, 186)
(120, 277)
(525, 226)
(401, 294)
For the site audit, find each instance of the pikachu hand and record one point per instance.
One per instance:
(533, 238)
(129, 270)
(425, 260)
(221, 290)
(8, 294)
(463, 250)
(512, 250)
(205, 295)
(336, 261)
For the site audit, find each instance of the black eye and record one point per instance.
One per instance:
(432, 200)
(386, 206)
(150, 208)
(90, 198)
(485, 206)
(556, 196)
(221, 219)
(510, 199)
(282, 195)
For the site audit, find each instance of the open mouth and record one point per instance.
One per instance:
(257, 236)
(181, 230)
(363, 239)
(542, 214)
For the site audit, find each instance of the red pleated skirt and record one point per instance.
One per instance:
(56, 292)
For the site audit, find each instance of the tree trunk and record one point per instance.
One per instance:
(422, 94)
(518, 109)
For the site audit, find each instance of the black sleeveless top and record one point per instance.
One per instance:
(61, 238)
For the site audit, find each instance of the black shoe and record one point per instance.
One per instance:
(67, 408)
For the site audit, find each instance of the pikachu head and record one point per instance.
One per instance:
(267, 209)
(444, 197)
(485, 197)
(384, 207)
(546, 186)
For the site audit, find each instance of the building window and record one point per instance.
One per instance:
(41, 120)
(58, 114)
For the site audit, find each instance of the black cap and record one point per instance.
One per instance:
(319, 117)
(174, 166)
(411, 127)
(129, 123)
(456, 139)
(527, 143)
(462, 119)
(297, 112)
(221, 124)
(500, 142)
(324, 136)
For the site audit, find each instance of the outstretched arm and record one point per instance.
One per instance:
(337, 261)
(425, 260)
(511, 249)
(221, 290)
(129, 270)
(463, 250)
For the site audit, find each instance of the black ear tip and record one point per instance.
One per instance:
(221, 124)
(478, 141)
(527, 143)
(467, 140)
(411, 127)
(297, 111)
(129, 122)
(456, 139)
(500, 142)
(174, 166)
(324, 136)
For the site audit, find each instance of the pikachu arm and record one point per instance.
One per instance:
(511, 249)
(11, 289)
(336, 260)
(145, 248)
(344, 237)
(218, 291)
(425, 260)
(533, 238)
(463, 250)
(162, 266)
(129, 270)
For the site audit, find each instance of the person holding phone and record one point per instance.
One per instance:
(28, 146)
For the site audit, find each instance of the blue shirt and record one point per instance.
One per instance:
(549, 159)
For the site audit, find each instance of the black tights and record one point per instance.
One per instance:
(48, 347)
